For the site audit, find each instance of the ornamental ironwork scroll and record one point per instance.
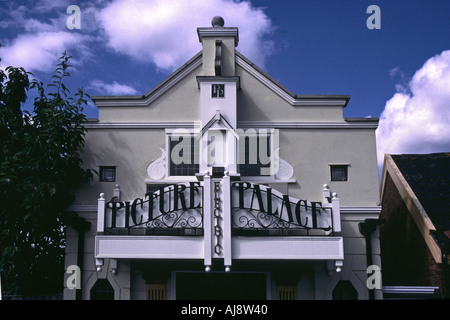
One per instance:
(177, 206)
(258, 209)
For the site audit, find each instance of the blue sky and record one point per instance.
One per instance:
(399, 73)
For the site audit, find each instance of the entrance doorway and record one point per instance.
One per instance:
(221, 286)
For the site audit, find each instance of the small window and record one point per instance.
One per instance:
(108, 174)
(339, 172)
(217, 90)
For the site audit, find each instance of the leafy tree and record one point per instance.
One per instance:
(40, 168)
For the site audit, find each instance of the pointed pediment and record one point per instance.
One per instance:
(218, 120)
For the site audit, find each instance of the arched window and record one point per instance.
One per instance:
(344, 290)
(102, 290)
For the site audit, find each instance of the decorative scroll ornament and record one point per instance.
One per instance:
(257, 207)
(249, 219)
(157, 169)
(285, 170)
(184, 219)
(177, 206)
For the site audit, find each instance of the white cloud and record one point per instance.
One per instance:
(154, 31)
(417, 118)
(114, 88)
(41, 35)
(39, 51)
(164, 32)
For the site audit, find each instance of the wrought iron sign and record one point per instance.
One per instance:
(175, 207)
(217, 218)
(257, 209)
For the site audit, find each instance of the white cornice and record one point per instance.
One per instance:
(143, 125)
(361, 210)
(306, 100)
(152, 95)
(218, 79)
(219, 32)
(241, 124)
(308, 124)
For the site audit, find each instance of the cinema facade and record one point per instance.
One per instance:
(220, 183)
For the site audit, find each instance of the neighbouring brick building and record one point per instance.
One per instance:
(415, 233)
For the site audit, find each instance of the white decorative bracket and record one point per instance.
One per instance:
(99, 264)
(157, 169)
(285, 170)
(334, 266)
(338, 264)
(113, 266)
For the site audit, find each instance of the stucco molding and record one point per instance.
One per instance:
(361, 209)
(218, 32)
(241, 124)
(303, 100)
(309, 124)
(152, 95)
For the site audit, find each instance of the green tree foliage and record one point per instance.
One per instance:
(40, 168)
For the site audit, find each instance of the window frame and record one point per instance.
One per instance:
(343, 166)
(185, 132)
(102, 170)
(218, 95)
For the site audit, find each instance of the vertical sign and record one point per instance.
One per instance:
(217, 217)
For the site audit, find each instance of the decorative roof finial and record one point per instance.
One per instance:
(217, 21)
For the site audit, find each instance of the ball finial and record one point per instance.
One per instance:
(217, 21)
